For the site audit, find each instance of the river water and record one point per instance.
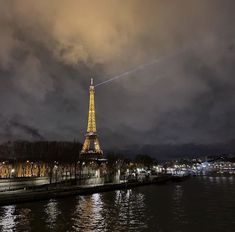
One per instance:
(198, 204)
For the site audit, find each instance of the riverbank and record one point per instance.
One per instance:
(20, 196)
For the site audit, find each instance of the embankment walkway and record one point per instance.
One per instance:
(20, 196)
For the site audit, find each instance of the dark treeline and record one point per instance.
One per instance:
(40, 150)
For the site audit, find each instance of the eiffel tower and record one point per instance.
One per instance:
(91, 146)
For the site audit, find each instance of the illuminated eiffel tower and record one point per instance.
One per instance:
(91, 147)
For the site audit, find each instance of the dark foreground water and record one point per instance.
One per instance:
(198, 204)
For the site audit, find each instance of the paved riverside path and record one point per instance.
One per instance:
(19, 196)
(17, 183)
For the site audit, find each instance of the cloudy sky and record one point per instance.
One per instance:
(50, 49)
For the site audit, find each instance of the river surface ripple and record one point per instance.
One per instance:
(198, 204)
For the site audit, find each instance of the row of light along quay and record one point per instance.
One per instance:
(45, 170)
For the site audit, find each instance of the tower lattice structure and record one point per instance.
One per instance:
(91, 146)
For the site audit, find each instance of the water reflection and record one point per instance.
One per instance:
(123, 210)
(23, 218)
(52, 212)
(87, 215)
(178, 208)
(188, 206)
(97, 209)
(7, 220)
(220, 179)
(130, 210)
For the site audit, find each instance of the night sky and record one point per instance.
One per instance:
(49, 50)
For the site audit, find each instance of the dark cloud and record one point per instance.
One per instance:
(28, 130)
(50, 49)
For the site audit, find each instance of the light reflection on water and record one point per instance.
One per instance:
(87, 214)
(7, 220)
(202, 202)
(94, 213)
(130, 208)
(177, 207)
(52, 212)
